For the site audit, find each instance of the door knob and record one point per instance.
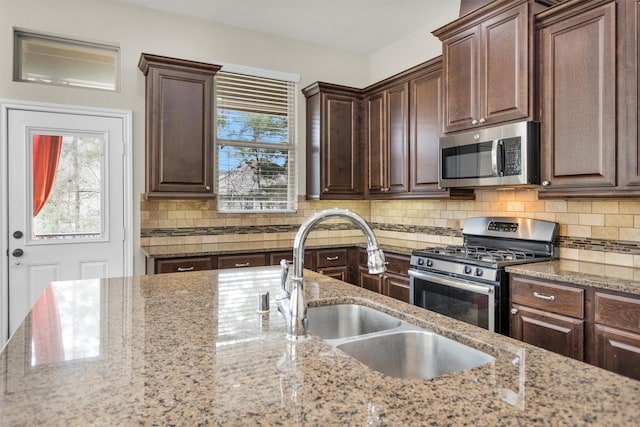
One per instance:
(17, 253)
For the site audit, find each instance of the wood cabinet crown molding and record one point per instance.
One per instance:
(317, 87)
(147, 60)
(489, 10)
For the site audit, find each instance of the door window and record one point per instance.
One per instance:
(67, 187)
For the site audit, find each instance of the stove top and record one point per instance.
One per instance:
(489, 244)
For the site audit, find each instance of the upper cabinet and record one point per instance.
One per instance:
(588, 59)
(403, 125)
(333, 142)
(487, 65)
(388, 140)
(179, 127)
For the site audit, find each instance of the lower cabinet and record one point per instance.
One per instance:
(393, 283)
(182, 264)
(617, 334)
(240, 261)
(598, 327)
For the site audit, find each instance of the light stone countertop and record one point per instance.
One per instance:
(596, 275)
(190, 349)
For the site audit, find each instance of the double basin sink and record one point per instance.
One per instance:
(389, 345)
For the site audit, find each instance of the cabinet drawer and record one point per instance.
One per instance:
(237, 261)
(548, 296)
(276, 257)
(332, 257)
(619, 311)
(173, 265)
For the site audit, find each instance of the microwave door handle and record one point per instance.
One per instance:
(494, 157)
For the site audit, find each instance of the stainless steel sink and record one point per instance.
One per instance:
(415, 354)
(348, 320)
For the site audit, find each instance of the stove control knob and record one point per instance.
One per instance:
(467, 269)
(420, 261)
(429, 263)
(479, 272)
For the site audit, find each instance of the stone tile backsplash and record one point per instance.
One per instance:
(590, 230)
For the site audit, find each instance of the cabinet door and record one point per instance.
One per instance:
(398, 139)
(372, 282)
(340, 273)
(340, 153)
(425, 131)
(179, 130)
(560, 334)
(578, 95)
(504, 69)
(397, 287)
(461, 74)
(617, 351)
(376, 143)
(629, 158)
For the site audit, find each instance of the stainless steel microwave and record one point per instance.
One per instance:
(498, 156)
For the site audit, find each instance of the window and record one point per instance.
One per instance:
(66, 62)
(255, 144)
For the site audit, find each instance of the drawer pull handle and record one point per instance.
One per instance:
(186, 268)
(332, 258)
(545, 297)
(246, 264)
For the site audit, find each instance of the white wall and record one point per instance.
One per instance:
(413, 49)
(139, 30)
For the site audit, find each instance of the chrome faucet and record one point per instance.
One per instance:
(292, 304)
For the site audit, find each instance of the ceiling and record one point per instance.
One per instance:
(361, 26)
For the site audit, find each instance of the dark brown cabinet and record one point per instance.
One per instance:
(487, 65)
(184, 264)
(600, 327)
(588, 72)
(240, 261)
(548, 315)
(309, 258)
(393, 283)
(179, 127)
(617, 334)
(578, 96)
(388, 140)
(334, 263)
(333, 142)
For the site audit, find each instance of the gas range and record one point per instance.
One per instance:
(490, 244)
(469, 282)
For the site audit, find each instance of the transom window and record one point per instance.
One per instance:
(65, 62)
(255, 144)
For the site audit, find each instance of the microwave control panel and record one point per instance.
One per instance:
(512, 160)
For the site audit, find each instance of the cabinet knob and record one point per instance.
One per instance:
(326, 189)
(546, 183)
(208, 188)
(514, 311)
(474, 122)
(482, 120)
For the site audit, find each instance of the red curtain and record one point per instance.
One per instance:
(46, 332)
(46, 154)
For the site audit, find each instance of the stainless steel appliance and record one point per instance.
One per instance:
(468, 282)
(503, 155)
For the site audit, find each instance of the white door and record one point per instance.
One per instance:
(66, 209)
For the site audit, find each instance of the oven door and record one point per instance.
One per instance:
(467, 301)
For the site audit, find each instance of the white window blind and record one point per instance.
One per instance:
(255, 141)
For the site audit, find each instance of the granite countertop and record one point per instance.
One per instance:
(597, 275)
(190, 348)
(199, 249)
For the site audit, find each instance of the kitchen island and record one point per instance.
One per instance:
(190, 348)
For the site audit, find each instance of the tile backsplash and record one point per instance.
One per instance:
(590, 230)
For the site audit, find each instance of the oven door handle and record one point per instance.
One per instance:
(460, 284)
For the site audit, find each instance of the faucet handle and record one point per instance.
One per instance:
(284, 273)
